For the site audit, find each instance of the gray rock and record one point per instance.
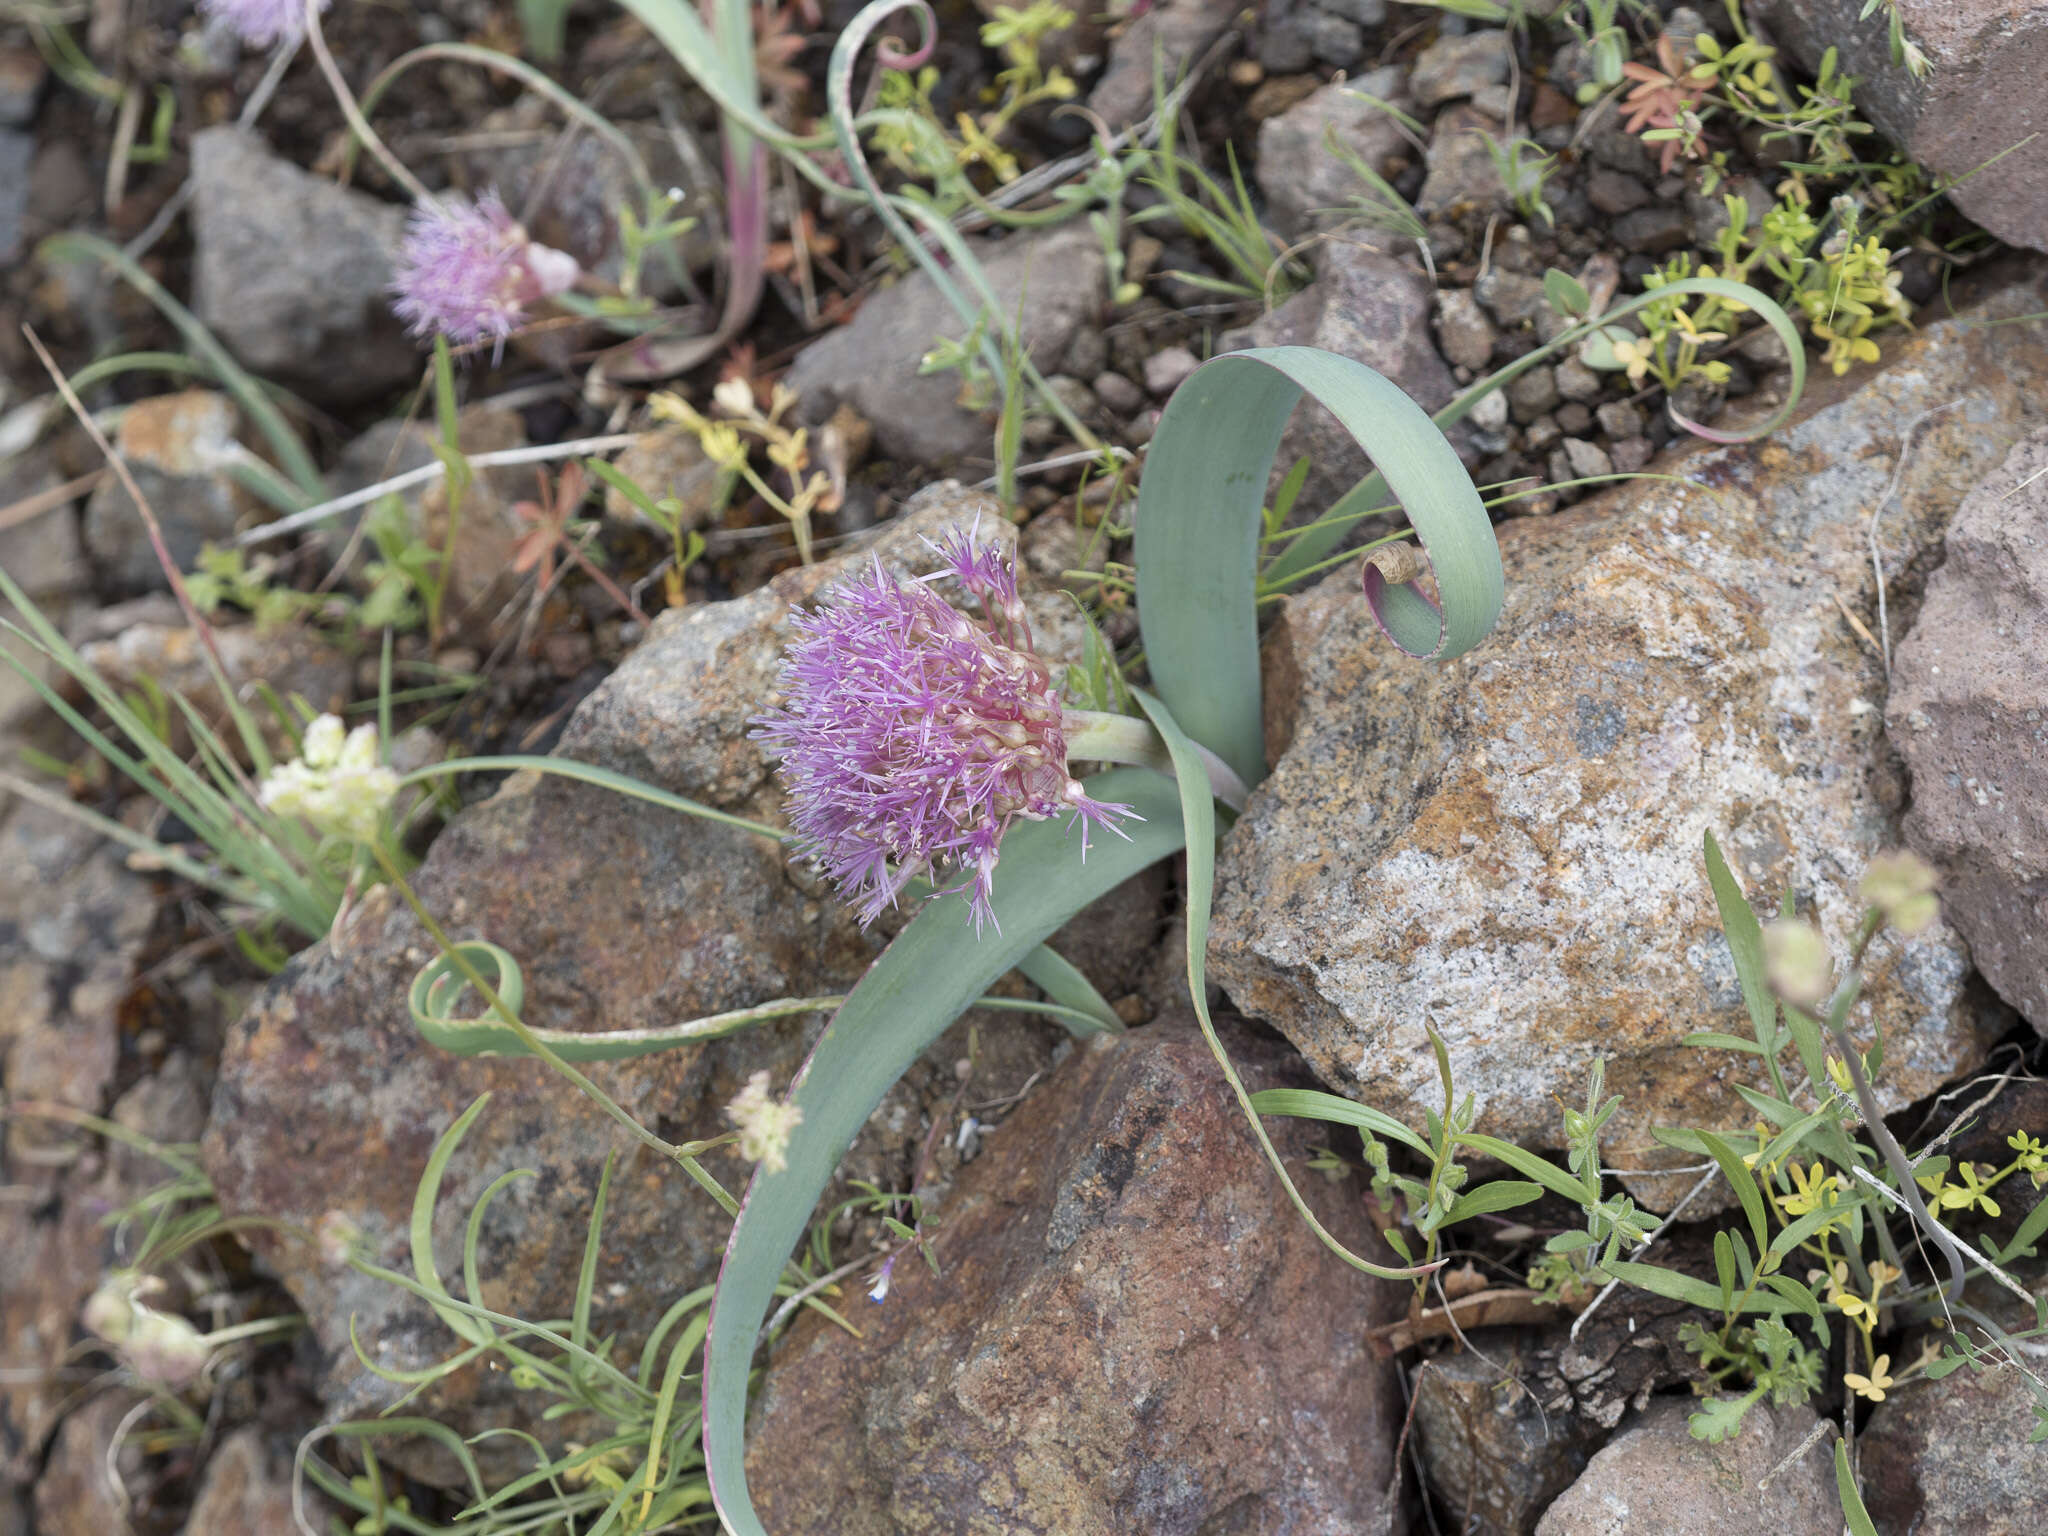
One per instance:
(1969, 714)
(1509, 847)
(17, 150)
(1653, 230)
(1462, 174)
(1575, 419)
(1615, 191)
(289, 659)
(1462, 329)
(1587, 459)
(693, 918)
(1170, 36)
(1118, 393)
(1045, 1381)
(1452, 67)
(1543, 433)
(1534, 393)
(1367, 306)
(1654, 1479)
(292, 271)
(872, 364)
(43, 554)
(1165, 369)
(1631, 454)
(1515, 299)
(1491, 412)
(1575, 381)
(178, 447)
(1618, 418)
(1297, 172)
(76, 1496)
(1985, 91)
(1366, 13)
(1331, 39)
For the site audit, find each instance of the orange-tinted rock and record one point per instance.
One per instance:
(1508, 847)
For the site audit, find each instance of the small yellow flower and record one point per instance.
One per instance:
(1872, 1386)
(1635, 356)
(1810, 1191)
(1693, 333)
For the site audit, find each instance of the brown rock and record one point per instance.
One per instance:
(1296, 169)
(1654, 1479)
(621, 915)
(1363, 305)
(1986, 91)
(1509, 847)
(667, 462)
(1969, 713)
(246, 1489)
(1131, 1332)
(75, 1496)
(1952, 1457)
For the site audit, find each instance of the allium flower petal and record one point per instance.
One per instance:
(260, 23)
(469, 271)
(912, 737)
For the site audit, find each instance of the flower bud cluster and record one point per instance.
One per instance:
(470, 270)
(336, 784)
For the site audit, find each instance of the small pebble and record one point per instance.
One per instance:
(1491, 413)
(1165, 369)
(1118, 393)
(1631, 454)
(1532, 394)
(1619, 419)
(1587, 458)
(1541, 434)
(1575, 381)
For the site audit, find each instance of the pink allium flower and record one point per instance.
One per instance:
(912, 736)
(260, 23)
(469, 271)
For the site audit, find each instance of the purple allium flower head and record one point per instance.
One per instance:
(913, 736)
(469, 271)
(260, 23)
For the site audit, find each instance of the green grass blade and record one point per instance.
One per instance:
(1061, 980)
(1306, 551)
(1199, 525)
(248, 394)
(932, 971)
(1312, 1104)
(1853, 1512)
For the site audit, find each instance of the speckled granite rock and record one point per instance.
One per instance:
(1654, 1479)
(1131, 1332)
(1969, 713)
(1509, 846)
(621, 915)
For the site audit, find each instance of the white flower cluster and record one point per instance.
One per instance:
(336, 784)
(764, 1124)
(162, 1348)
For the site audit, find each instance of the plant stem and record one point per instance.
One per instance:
(1098, 737)
(536, 1045)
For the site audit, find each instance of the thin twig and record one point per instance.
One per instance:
(1943, 1237)
(358, 124)
(541, 453)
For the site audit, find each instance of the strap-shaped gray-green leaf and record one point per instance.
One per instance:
(1198, 532)
(923, 981)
